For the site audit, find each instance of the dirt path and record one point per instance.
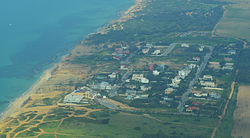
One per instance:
(224, 111)
(241, 123)
(84, 115)
(213, 33)
(8, 135)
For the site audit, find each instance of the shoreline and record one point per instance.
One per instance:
(19, 102)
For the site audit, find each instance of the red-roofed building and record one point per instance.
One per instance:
(195, 103)
(151, 67)
(190, 109)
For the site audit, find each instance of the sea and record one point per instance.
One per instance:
(34, 34)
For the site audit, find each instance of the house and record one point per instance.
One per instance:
(113, 75)
(145, 96)
(141, 96)
(201, 94)
(169, 90)
(183, 73)
(156, 73)
(196, 58)
(124, 67)
(176, 80)
(201, 48)
(215, 95)
(140, 78)
(149, 45)
(145, 51)
(207, 83)
(137, 77)
(168, 99)
(156, 52)
(193, 108)
(232, 52)
(229, 64)
(215, 65)
(227, 67)
(105, 86)
(131, 86)
(130, 92)
(145, 88)
(196, 103)
(129, 97)
(144, 80)
(151, 67)
(192, 66)
(208, 77)
(185, 45)
(127, 80)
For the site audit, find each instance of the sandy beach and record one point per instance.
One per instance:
(19, 102)
(12, 110)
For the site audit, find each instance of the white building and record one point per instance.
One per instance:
(145, 51)
(156, 52)
(113, 75)
(70, 98)
(185, 45)
(137, 77)
(145, 88)
(144, 80)
(156, 73)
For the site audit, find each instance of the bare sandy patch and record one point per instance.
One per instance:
(241, 123)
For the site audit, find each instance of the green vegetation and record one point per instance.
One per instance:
(2, 136)
(225, 129)
(27, 133)
(132, 125)
(244, 67)
(49, 126)
(162, 17)
(161, 22)
(47, 101)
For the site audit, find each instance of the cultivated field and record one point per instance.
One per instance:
(241, 124)
(236, 20)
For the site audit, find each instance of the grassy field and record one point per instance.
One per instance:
(105, 123)
(132, 125)
(236, 20)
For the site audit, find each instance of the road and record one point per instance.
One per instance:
(169, 49)
(226, 106)
(125, 76)
(203, 65)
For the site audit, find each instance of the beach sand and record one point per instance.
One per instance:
(19, 102)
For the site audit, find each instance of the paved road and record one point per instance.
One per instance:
(184, 97)
(169, 49)
(125, 76)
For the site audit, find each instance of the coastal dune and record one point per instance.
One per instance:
(19, 102)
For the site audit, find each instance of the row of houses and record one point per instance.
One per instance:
(140, 78)
(182, 74)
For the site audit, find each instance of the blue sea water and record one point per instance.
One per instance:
(34, 33)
